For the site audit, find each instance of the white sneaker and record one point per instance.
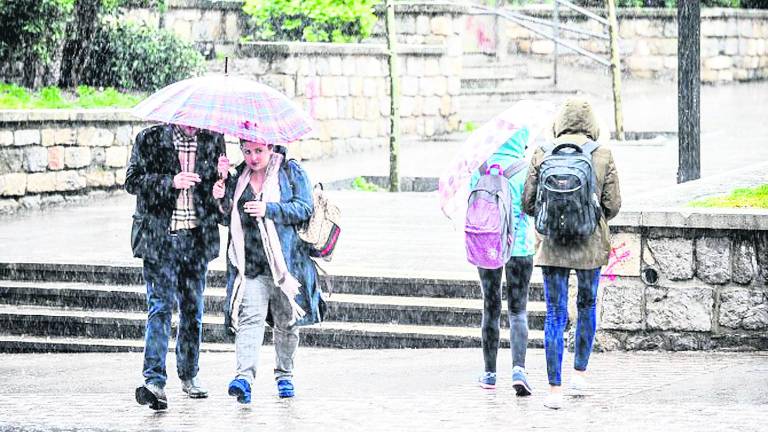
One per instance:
(578, 386)
(553, 400)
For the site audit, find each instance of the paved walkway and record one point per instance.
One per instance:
(417, 390)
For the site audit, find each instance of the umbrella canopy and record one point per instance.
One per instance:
(231, 105)
(522, 121)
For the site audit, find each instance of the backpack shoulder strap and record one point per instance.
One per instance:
(589, 147)
(483, 168)
(547, 148)
(515, 168)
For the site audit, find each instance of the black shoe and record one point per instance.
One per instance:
(152, 395)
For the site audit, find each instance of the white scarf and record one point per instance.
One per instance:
(270, 241)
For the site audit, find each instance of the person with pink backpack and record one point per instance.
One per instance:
(500, 239)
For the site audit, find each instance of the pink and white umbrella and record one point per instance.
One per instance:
(231, 105)
(524, 116)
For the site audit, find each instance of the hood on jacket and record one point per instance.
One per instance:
(514, 147)
(576, 117)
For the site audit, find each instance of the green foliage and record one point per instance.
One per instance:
(470, 126)
(746, 197)
(138, 57)
(33, 31)
(15, 97)
(311, 20)
(361, 184)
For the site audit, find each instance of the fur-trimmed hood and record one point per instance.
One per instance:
(576, 117)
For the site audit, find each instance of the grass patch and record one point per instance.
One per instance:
(15, 97)
(743, 198)
(361, 184)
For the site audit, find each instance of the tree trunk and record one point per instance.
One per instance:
(394, 97)
(78, 48)
(688, 91)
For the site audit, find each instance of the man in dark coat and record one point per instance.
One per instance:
(175, 231)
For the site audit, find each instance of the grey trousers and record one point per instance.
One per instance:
(261, 295)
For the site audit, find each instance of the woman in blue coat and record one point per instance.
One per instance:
(270, 276)
(518, 272)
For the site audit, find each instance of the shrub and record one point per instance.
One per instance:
(32, 33)
(137, 57)
(311, 20)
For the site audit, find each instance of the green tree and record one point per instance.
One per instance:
(32, 33)
(311, 20)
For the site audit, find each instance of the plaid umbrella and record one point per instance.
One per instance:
(230, 105)
(523, 120)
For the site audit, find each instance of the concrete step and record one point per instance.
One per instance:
(37, 344)
(114, 275)
(471, 60)
(341, 307)
(39, 322)
(479, 105)
(505, 82)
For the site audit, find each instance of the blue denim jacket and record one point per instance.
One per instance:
(507, 154)
(295, 207)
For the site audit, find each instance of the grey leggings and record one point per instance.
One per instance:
(518, 270)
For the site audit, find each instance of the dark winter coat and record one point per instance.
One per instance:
(154, 162)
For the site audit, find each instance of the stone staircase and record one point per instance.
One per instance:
(77, 308)
(490, 85)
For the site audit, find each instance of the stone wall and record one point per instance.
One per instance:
(221, 24)
(343, 86)
(49, 157)
(686, 280)
(734, 42)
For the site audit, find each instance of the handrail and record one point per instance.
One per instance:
(583, 11)
(521, 22)
(562, 26)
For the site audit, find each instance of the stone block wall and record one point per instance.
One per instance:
(48, 157)
(734, 42)
(222, 23)
(345, 86)
(683, 281)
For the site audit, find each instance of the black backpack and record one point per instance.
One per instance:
(567, 206)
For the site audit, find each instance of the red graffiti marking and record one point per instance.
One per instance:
(616, 256)
(484, 42)
(312, 91)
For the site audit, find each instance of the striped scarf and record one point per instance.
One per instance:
(184, 215)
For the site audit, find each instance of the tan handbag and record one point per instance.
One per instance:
(322, 231)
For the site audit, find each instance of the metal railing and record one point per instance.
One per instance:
(530, 23)
(610, 27)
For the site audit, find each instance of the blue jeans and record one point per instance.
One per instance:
(556, 295)
(178, 277)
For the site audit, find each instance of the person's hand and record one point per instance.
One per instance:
(223, 167)
(185, 180)
(255, 208)
(218, 189)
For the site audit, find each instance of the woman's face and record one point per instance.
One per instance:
(256, 155)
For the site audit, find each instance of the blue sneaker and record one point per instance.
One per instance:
(487, 380)
(285, 388)
(240, 389)
(520, 382)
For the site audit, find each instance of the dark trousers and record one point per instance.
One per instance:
(518, 271)
(556, 295)
(177, 277)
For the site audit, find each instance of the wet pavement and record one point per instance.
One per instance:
(392, 390)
